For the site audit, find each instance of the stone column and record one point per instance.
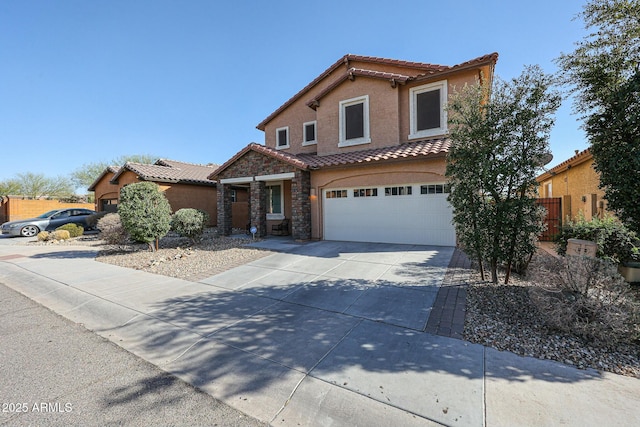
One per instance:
(225, 222)
(301, 205)
(258, 203)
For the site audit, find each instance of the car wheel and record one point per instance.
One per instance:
(29, 231)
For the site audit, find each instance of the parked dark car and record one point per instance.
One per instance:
(48, 221)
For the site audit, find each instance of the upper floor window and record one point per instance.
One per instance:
(282, 137)
(426, 109)
(309, 133)
(354, 121)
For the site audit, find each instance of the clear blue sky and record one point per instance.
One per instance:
(86, 81)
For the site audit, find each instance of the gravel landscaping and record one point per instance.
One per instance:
(503, 317)
(497, 316)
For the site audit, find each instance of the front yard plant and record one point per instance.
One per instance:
(616, 243)
(189, 222)
(145, 212)
(74, 230)
(495, 156)
(111, 230)
(586, 297)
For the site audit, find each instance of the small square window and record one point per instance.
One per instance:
(398, 191)
(282, 137)
(365, 192)
(434, 189)
(309, 133)
(336, 194)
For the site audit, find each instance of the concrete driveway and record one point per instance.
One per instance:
(324, 333)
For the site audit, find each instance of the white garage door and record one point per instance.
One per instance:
(412, 214)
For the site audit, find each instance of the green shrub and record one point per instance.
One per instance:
(59, 235)
(111, 230)
(74, 230)
(43, 236)
(616, 243)
(145, 212)
(188, 222)
(588, 298)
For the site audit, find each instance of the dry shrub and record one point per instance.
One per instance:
(59, 235)
(586, 297)
(112, 231)
(43, 236)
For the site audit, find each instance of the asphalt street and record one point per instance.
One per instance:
(57, 373)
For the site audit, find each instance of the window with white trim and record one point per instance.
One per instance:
(309, 133)
(354, 121)
(427, 115)
(282, 137)
(275, 201)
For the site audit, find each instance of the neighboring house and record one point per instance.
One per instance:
(574, 184)
(358, 154)
(184, 184)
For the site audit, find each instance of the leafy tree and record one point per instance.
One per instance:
(89, 172)
(499, 136)
(8, 187)
(144, 212)
(604, 74)
(37, 185)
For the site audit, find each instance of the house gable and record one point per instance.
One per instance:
(385, 88)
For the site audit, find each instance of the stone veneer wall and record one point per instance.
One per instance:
(224, 202)
(256, 164)
(301, 205)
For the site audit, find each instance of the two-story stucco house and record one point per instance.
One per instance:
(358, 154)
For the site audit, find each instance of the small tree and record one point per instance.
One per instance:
(145, 212)
(499, 136)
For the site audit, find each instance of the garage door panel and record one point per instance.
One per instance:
(411, 219)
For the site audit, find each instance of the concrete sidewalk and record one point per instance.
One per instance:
(321, 334)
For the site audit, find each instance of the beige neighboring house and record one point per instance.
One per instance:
(185, 185)
(574, 183)
(358, 154)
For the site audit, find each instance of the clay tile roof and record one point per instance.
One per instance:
(170, 171)
(277, 154)
(423, 148)
(109, 169)
(476, 62)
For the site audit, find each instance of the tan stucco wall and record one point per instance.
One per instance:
(14, 208)
(388, 111)
(383, 115)
(417, 172)
(578, 187)
(105, 190)
(181, 195)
